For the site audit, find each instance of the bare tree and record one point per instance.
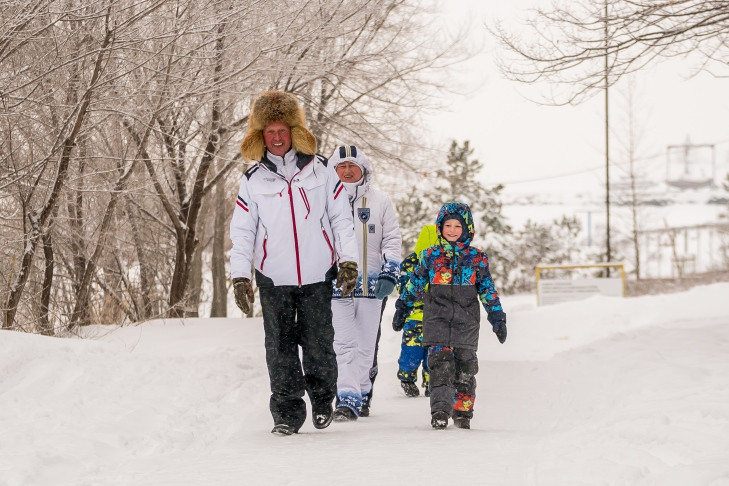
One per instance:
(633, 167)
(120, 119)
(566, 44)
(367, 70)
(39, 220)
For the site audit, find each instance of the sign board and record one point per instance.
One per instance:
(553, 291)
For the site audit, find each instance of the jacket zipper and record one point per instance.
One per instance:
(265, 252)
(453, 278)
(365, 278)
(293, 218)
(296, 234)
(306, 202)
(326, 237)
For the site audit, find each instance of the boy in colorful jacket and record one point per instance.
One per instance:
(412, 352)
(450, 278)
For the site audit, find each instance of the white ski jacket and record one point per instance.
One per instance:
(376, 228)
(292, 231)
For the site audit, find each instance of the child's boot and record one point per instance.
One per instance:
(410, 388)
(461, 420)
(439, 420)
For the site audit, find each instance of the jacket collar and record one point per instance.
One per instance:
(301, 161)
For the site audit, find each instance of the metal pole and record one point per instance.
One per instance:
(608, 255)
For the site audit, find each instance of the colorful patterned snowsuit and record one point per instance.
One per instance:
(450, 279)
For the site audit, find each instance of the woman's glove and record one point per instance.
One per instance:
(383, 288)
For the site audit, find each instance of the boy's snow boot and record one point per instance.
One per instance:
(410, 388)
(462, 422)
(322, 418)
(439, 420)
(283, 429)
(344, 414)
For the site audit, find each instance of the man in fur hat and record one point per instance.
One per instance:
(292, 223)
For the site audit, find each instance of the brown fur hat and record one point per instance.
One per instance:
(276, 106)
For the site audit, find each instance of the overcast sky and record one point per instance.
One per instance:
(521, 142)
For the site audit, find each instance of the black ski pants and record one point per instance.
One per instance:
(296, 317)
(452, 380)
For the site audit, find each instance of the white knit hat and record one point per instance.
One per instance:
(350, 153)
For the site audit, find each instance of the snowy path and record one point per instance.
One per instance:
(605, 391)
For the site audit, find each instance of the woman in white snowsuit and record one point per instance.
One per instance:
(356, 318)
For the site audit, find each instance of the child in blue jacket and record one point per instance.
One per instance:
(450, 278)
(412, 352)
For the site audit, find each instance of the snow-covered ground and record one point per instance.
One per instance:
(604, 391)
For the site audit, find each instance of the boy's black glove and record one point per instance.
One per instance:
(498, 323)
(401, 314)
(243, 291)
(347, 277)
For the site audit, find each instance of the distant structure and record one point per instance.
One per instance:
(687, 166)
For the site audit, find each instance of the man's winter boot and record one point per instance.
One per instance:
(344, 414)
(283, 429)
(439, 420)
(322, 418)
(410, 388)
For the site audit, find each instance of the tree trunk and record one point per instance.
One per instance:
(78, 246)
(219, 306)
(186, 234)
(146, 278)
(82, 296)
(45, 325)
(194, 290)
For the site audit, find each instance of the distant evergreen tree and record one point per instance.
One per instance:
(537, 243)
(413, 214)
(459, 180)
(456, 180)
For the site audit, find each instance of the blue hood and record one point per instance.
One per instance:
(460, 211)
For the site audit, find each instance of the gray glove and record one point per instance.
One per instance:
(383, 288)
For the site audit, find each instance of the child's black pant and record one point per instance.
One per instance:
(452, 380)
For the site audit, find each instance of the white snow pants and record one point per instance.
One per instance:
(356, 321)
